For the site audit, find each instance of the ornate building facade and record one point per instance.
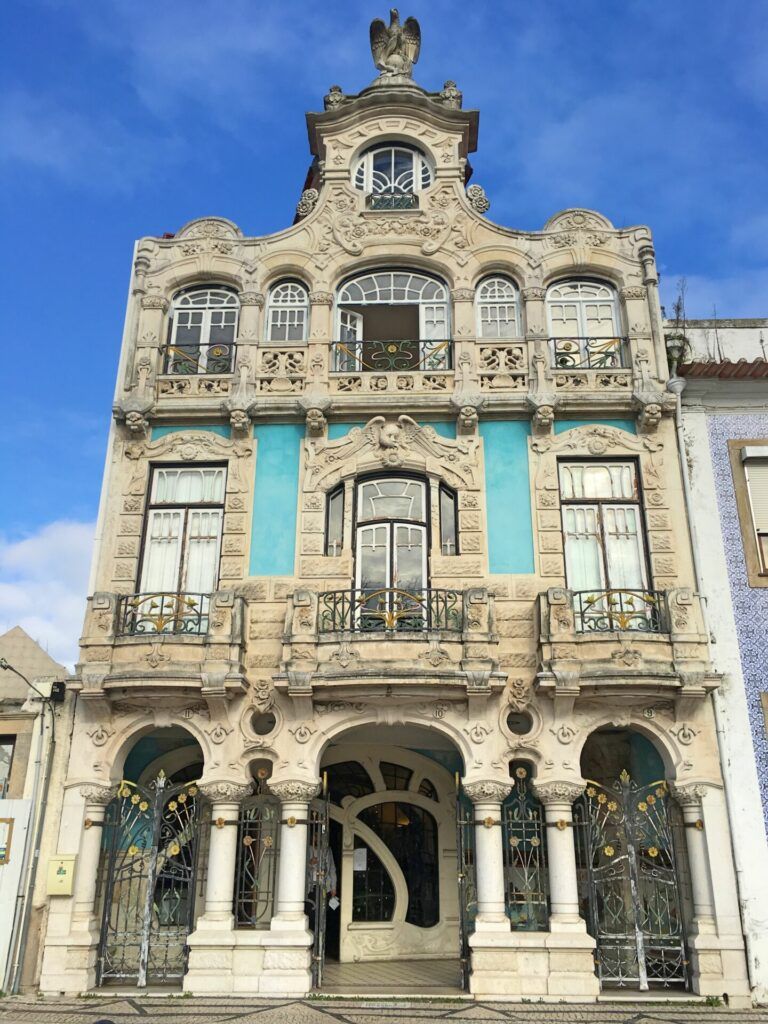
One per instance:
(394, 650)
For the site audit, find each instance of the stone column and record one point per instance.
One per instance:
(463, 333)
(689, 798)
(225, 800)
(557, 798)
(287, 953)
(96, 797)
(249, 330)
(487, 798)
(319, 333)
(571, 949)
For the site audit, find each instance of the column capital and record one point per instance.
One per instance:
(97, 793)
(688, 795)
(487, 791)
(534, 292)
(251, 299)
(154, 302)
(321, 298)
(225, 792)
(557, 792)
(294, 790)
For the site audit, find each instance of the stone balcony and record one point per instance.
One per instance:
(615, 643)
(162, 643)
(352, 642)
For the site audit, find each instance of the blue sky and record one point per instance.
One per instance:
(120, 118)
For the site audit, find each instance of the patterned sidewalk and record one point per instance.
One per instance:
(180, 1010)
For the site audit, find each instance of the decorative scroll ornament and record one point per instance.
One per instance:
(395, 49)
(487, 791)
(478, 199)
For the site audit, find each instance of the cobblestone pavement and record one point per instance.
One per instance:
(179, 1010)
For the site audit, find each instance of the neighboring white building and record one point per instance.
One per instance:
(725, 418)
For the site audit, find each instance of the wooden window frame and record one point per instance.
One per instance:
(757, 576)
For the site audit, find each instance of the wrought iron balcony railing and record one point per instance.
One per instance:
(393, 201)
(606, 611)
(389, 611)
(145, 614)
(186, 360)
(392, 356)
(589, 353)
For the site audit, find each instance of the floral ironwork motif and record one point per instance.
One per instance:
(163, 613)
(525, 867)
(257, 853)
(589, 353)
(184, 360)
(394, 355)
(605, 611)
(148, 876)
(628, 852)
(389, 610)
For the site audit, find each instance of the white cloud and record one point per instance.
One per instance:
(43, 585)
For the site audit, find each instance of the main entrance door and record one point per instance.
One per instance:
(628, 855)
(149, 874)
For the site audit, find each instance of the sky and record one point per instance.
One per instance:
(123, 118)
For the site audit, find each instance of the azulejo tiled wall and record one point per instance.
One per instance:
(750, 605)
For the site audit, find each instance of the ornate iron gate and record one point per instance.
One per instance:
(318, 863)
(525, 867)
(465, 852)
(628, 860)
(258, 839)
(150, 850)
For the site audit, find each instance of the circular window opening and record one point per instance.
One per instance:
(519, 722)
(264, 723)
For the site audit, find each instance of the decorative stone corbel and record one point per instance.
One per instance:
(240, 403)
(300, 692)
(696, 685)
(133, 411)
(469, 405)
(314, 405)
(542, 407)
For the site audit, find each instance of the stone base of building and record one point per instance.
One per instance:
(521, 965)
(718, 968)
(69, 964)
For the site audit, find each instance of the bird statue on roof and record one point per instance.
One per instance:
(395, 48)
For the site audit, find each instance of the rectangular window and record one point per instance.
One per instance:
(605, 551)
(448, 532)
(182, 538)
(7, 744)
(334, 532)
(287, 324)
(755, 461)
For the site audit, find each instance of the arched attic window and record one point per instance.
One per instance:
(203, 329)
(584, 327)
(496, 300)
(287, 312)
(391, 173)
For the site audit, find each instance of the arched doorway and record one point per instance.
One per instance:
(393, 859)
(632, 863)
(151, 849)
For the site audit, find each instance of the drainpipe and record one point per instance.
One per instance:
(677, 385)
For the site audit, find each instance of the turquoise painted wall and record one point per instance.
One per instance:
(211, 428)
(628, 425)
(508, 495)
(446, 428)
(275, 495)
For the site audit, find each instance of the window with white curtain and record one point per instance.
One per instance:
(497, 308)
(602, 526)
(182, 537)
(755, 461)
(287, 312)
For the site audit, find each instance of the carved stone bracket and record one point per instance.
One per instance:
(294, 790)
(487, 791)
(542, 407)
(314, 406)
(469, 404)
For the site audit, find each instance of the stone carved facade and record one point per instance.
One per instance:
(264, 684)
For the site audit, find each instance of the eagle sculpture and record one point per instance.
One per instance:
(395, 49)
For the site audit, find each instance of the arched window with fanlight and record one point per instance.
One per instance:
(497, 305)
(390, 174)
(287, 312)
(584, 327)
(202, 331)
(391, 544)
